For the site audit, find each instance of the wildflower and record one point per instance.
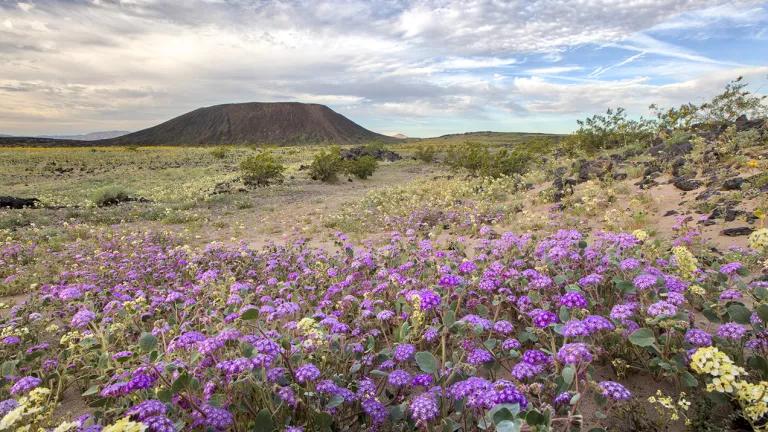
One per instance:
(662, 308)
(573, 299)
(82, 318)
(686, 262)
(404, 352)
(644, 281)
(25, 384)
(698, 338)
(424, 408)
(399, 378)
(307, 372)
(574, 353)
(758, 240)
(615, 391)
(479, 356)
(731, 331)
(125, 425)
(542, 318)
(711, 361)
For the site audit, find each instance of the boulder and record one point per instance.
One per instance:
(17, 203)
(594, 169)
(733, 183)
(686, 184)
(379, 154)
(736, 232)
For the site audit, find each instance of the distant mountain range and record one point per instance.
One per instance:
(277, 123)
(93, 136)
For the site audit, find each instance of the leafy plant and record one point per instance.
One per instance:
(362, 167)
(326, 165)
(261, 169)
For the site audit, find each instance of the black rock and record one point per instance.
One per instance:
(379, 154)
(597, 168)
(670, 213)
(736, 232)
(620, 176)
(677, 166)
(17, 203)
(733, 183)
(686, 184)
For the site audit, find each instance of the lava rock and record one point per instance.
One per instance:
(17, 203)
(379, 154)
(686, 184)
(594, 169)
(733, 183)
(737, 232)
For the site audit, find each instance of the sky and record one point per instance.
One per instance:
(422, 68)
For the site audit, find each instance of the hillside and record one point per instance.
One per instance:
(282, 123)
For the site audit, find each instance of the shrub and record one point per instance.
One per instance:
(426, 153)
(326, 165)
(220, 152)
(470, 156)
(610, 131)
(110, 195)
(362, 167)
(261, 169)
(479, 160)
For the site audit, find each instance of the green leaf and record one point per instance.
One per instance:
(427, 362)
(739, 313)
(263, 422)
(711, 315)
(92, 390)
(8, 368)
(335, 401)
(509, 426)
(535, 418)
(449, 318)
(502, 412)
(762, 312)
(575, 398)
(689, 380)
(760, 364)
(181, 382)
(568, 374)
(642, 337)
(147, 342)
(250, 314)
(165, 395)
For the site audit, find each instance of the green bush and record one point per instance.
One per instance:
(261, 169)
(362, 167)
(110, 195)
(478, 159)
(220, 152)
(426, 153)
(326, 165)
(470, 156)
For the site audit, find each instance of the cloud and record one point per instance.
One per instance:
(71, 66)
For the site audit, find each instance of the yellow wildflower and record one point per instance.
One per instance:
(125, 425)
(640, 234)
(686, 262)
(12, 417)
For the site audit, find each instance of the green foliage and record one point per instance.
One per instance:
(726, 107)
(478, 159)
(220, 152)
(470, 156)
(425, 153)
(110, 195)
(326, 165)
(362, 168)
(610, 131)
(261, 169)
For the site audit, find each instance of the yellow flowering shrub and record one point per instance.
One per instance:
(125, 425)
(687, 263)
(758, 240)
(726, 377)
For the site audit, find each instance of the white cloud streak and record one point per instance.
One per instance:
(70, 66)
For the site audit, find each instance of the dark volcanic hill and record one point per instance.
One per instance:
(281, 123)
